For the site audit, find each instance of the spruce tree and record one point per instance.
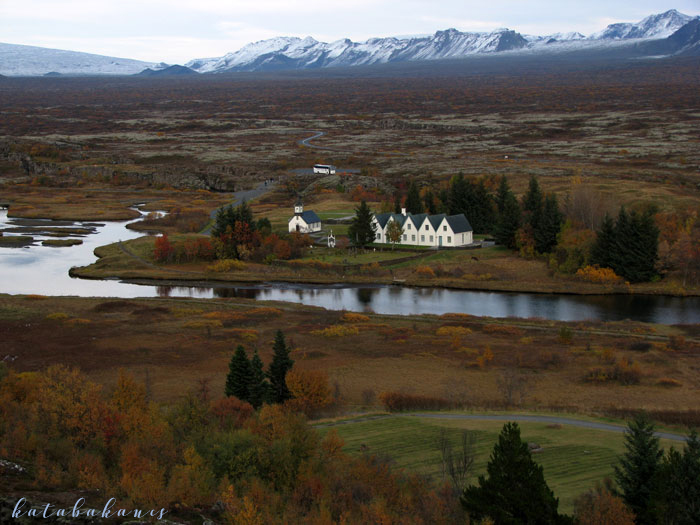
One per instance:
(277, 372)
(429, 202)
(515, 491)
(258, 387)
(677, 498)
(548, 226)
(361, 231)
(413, 201)
(238, 377)
(638, 468)
(397, 203)
(533, 204)
(603, 250)
(502, 195)
(508, 223)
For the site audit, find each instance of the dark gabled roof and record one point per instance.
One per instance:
(399, 217)
(310, 217)
(382, 219)
(435, 220)
(418, 218)
(459, 223)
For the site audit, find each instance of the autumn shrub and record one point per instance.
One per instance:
(676, 342)
(668, 382)
(640, 346)
(602, 507)
(424, 271)
(57, 316)
(226, 265)
(594, 274)
(452, 331)
(566, 335)
(246, 334)
(399, 402)
(337, 330)
(352, 317)
(231, 412)
(163, 249)
(310, 390)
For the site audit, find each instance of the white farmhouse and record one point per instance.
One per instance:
(304, 221)
(426, 230)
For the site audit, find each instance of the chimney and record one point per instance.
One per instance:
(403, 211)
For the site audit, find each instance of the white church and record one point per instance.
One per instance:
(425, 230)
(304, 221)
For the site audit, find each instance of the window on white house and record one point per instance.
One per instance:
(405, 237)
(379, 236)
(427, 227)
(444, 228)
(422, 238)
(408, 226)
(413, 237)
(431, 238)
(449, 240)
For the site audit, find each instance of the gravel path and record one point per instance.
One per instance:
(554, 420)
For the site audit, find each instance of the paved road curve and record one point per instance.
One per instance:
(240, 196)
(514, 417)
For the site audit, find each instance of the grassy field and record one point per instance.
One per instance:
(573, 458)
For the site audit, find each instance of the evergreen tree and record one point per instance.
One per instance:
(397, 203)
(239, 373)
(258, 387)
(457, 196)
(473, 200)
(413, 201)
(515, 491)
(429, 200)
(604, 246)
(533, 204)
(677, 499)
(362, 229)
(638, 468)
(508, 223)
(502, 195)
(549, 225)
(277, 372)
(630, 247)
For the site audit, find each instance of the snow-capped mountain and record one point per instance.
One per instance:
(18, 60)
(655, 26)
(668, 33)
(296, 53)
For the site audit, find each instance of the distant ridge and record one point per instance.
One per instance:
(284, 53)
(170, 71)
(665, 34)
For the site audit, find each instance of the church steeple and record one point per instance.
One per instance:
(299, 206)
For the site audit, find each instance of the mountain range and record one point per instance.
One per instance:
(666, 34)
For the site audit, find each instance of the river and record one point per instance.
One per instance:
(38, 269)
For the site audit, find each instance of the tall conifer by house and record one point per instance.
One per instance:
(414, 204)
(508, 223)
(361, 231)
(239, 373)
(638, 468)
(502, 195)
(277, 372)
(397, 203)
(515, 491)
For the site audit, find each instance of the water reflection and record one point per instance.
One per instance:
(44, 270)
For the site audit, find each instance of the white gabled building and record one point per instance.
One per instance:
(304, 221)
(426, 230)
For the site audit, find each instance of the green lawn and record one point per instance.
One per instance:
(340, 256)
(573, 458)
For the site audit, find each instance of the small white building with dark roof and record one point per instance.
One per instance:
(426, 230)
(304, 221)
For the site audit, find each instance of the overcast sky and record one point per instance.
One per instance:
(176, 31)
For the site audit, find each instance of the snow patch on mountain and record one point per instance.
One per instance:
(19, 60)
(655, 26)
